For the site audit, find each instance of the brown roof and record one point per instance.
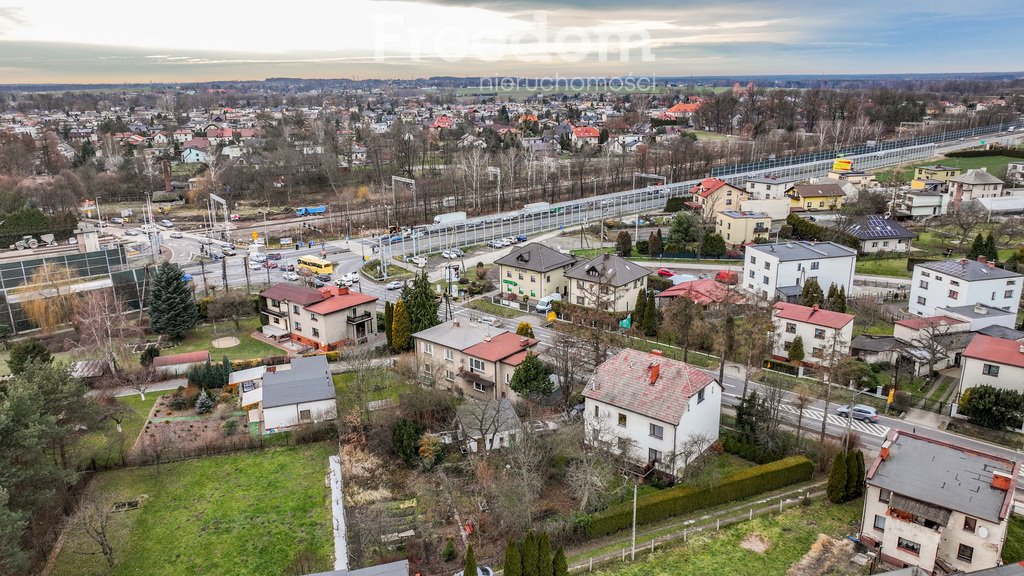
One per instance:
(183, 358)
(624, 381)
(818, 190)
(301, 295)
(341, 302)
(499, 347)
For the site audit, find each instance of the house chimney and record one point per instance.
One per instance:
(455, 323)
(979, 309)
(963, 262)
(342, 290)
(487, 338)
(884, 453)
(990, 264)
(655, 371)
(524, 342)
(657, 352)
(982, 259)
(1001, 480)
(814, 309)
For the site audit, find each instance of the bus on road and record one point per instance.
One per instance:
(315, 264)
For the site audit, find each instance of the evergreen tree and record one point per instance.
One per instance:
(513, 562)
(841, 300)
(991, 252)
(796, 350)
(544, 560)
(560, 567)
(624, 244)
(640, 310)
(651, 316)
(389, 318)
(836, 488)
(26, 352)
(405, 438)
(859, 472)
(852, 482)
(532, 378)
(530, 567)
(811, 295)
(830, 298)
(470, 569)
(730, 335)
(654, 245)
(977, 247)
(172, 312)
(401, 328)
(204, 404)
(714, 245)
(421, 304)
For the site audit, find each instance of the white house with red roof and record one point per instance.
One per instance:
(324, 319)
(823, 332)
(684, 109)
(704, 292)
(585, 135)
(652, 408)
(713, 195)
(997, 362)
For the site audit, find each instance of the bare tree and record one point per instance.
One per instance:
(801, 400)
(832, 357)
(567, 355)
(965, 218)
(138, 379)
(104, 326)
(933, 339)
(94, 519)
(590, 476)
(688, 454)
(484, 420)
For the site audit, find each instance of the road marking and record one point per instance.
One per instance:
(837, 420)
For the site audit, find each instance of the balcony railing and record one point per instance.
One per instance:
(274, 312)
(365, 316)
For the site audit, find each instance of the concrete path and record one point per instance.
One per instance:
(158, 387)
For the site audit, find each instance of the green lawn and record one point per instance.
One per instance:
(488, 307)
(249, 347)
(381, 384)
(696, 358)
(789, 535)
(246, 514)
(892, 267)
(996, 164)
(104, 445)
(1013, 548)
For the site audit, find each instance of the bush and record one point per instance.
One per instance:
(837, 489)
(643, 247)
(229, 426)
(178, 402)
(657, 283)
(448, 553)
(148, 355)
(686, 499)
(674, 204)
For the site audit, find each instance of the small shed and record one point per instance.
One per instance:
(89, 371)
(487, 424)
(179, 364)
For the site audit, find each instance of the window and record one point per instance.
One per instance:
(579, 300)
(879, 522)
(751, 274)
(449, 355)
(547, 278)
(312, 317)
(926, 275)
(884, 495)
(653, 455)
(275, 303)
(908, 546)
(622, 420)
(970, 524)
(954, 283)
(295, 309)
(478, 387)
(753, 259)
(1011, 282)
(821, 204)
(819, 333)
(476, 365)
(700, 396)
(885, 244)
(921, 300)
(1008, 294)
(787, 345)
(597, 411)
(508, 274)
(815, 265)
(954, 294)
(767, 265)
(874, 244)
(298, 327)
(764, 280)
(990, 370)
(428, 348)
(817, 351)
(579, 284)
(533, 278)
(449, 375)
(924, 284)
(520, 275)
(305, 415)
(938, 278)
(277, 321)
(316, 333)
(965, 553)
(790, 328)
(657, 431)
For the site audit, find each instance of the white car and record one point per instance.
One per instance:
(496, 244)
(290, 276)
(167, 223)
(394, 285)
(450, 254)
(420, 261)
(254, 265)
(508, 241)
(131, 232)
(176, 234)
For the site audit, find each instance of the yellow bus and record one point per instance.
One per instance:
(316, 265)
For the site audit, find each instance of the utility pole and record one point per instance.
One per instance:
(248, 286)
(224, 272)
(633, 553)
(495, 171)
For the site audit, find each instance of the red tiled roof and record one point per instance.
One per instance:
(586, 132)
(301, 295)
(707, 186)
(919, 323)
(501, 346)
(997, 350)
(624, 381)
(183, 358)
(812, 315)
(515, 359)
(341, 302)
(703, 291)
(684, 108)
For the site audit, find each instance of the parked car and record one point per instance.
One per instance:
(521, 238)
(420, 261)
(270, 264)
(254, 265)
(351, 277)
(727, 277)
(665, 273)
(290, 276)
(118, 221)
(859, 412)
(274, 256)
(288, 267)
(394, 285)
(324, 277)
(507, 241)
(167, 223)
(316, 282)
(496, 244)
(131, 232)
(480, 571)
(176, 234)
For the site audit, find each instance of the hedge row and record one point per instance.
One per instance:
(686, 499)
(1011, 152)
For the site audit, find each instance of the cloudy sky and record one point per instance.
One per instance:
(121, 41)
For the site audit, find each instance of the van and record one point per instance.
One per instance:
(544, 304)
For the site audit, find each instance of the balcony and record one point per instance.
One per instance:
(274, 312)
(762, 230)
(364, 317)
(475, 378)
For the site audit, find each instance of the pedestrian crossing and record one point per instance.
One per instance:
(837, 420)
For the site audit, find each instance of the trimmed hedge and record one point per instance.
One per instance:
(685, 499)
(1011, 152)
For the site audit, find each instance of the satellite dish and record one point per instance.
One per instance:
(982, 531)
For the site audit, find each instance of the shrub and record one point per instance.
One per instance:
(674, 204)
(148, 355)
(229, 427)
(657, 283)
(686, 499)
(178, 402)
(643, 247)
(448, 553)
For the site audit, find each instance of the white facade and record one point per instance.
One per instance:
(932, 290)
(766, 189)
(978, 372)
(617, 427)
(885, 245)
(818, 340)
(280, 417)
(768, 267)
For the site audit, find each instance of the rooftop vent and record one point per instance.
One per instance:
(884, 453)
(524, 342)
(657, 352)
(979, 309)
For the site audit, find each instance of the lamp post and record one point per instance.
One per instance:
(849, 419)
(495, 171)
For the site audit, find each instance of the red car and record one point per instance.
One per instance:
(665, 273)
(270, 264)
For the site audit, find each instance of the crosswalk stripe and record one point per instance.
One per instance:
(837, 420)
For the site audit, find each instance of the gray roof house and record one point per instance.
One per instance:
(616, 270)
(607, 282)
(308, 380)
(536, 257)
(969, 270)
(487, 424)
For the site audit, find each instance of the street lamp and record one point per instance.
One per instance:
(494, 171)
(849, 418)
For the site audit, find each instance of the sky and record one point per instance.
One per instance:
(117, 41)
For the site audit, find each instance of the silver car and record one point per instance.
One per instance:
(859, 412)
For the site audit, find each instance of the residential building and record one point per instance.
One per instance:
(880, 234)
(474, 359)
(704, 292)
(294, 395)
(179, 364)
(608, 282)
(649, 407)
(938, 506)
(195, 156)
(936, 172)
(738, 228)
(934, 343)
(768, 187)
(997, 362)
(324, 319)
(779, 271)
(712, 195)
(936, 286)
(485, 425)
(812, 197)
(824, 333)
(1015, 174)
(975, 184)
(922, 203)
(585, 135)
(534, 271)
(858, 178)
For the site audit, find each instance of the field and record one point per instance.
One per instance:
(788, 537)
(996, 165)
(245, 514)
(248, 347)
(892, 267)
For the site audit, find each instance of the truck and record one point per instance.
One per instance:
(450, 218)
(536, 207)
(310, 210)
